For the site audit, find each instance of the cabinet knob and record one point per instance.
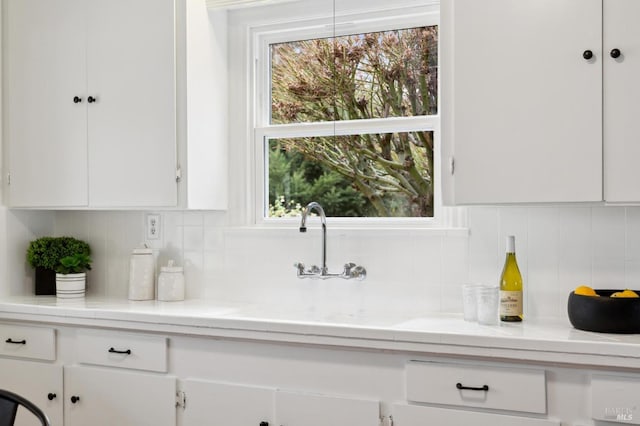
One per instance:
(91, 99)
(51, 396)
(77, 100)
(75, 399)
(264, 423)
(615, 53)
(587, 54)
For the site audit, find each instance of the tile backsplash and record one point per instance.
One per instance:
(558, 248)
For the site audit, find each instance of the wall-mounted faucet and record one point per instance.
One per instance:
(351, 270)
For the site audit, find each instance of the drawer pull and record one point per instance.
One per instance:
(483, 388)
(114, 351)
(16, 342)
(75, 399)
(51, 396)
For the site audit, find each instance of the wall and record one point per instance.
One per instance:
(558, 248)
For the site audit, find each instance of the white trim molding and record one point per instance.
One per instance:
(229, 4)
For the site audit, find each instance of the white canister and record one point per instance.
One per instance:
(171, 283)
(142, 274)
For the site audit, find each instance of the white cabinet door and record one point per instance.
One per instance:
(91, 103)
(106, 397)
(621, 94)
(46, 130)
(132, 123)
(40, 383)
(614, 398)
(525, 107)
(306, 409)
(413, 415)
(209, 403)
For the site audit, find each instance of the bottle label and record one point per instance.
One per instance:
(510, 303)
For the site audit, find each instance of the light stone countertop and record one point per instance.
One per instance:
(553, 340)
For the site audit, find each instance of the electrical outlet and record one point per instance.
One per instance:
(153, 227)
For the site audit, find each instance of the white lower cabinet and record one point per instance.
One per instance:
(106, 397)
(413, 415)
(40, 383)
(307, 409)
(229, 404)
(616, 398)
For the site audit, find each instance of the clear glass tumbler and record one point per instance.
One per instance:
(469, 301)
(488, 301)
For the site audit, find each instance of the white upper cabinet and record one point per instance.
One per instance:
(621, 100)
(46, 130)
(91, 103)
(522, 98)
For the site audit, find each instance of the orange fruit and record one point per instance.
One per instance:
(625, 293)
(585, 290)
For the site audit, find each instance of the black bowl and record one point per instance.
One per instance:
(605, 314)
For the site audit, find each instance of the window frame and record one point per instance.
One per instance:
(334, 26)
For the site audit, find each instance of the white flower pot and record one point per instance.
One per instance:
(71, 286)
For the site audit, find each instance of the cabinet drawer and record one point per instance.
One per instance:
(615, 398)
(28, 342)
(140, 352)
(415, 415)
(514, 389)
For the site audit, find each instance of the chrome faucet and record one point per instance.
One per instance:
(351, 270)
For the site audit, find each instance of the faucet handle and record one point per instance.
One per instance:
(348, 267)
(357, 272)
(299, 266)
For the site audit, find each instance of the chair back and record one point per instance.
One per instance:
(9, 403)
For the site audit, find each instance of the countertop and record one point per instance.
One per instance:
(551, 340)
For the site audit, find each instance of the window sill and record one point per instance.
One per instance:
(389, 230)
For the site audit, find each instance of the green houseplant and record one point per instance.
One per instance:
(71, 276)
(75, 264)
(45, 253)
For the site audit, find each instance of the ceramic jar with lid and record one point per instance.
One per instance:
(171, 283)
(142, 274)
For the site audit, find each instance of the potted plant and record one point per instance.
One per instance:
(44, 254)
(71, 276)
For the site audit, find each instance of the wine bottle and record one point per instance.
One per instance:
(511, 285)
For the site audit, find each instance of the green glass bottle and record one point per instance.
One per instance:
(511, 285)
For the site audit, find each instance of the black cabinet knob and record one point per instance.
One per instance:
(615, 53)
(264, 423)
(51, 396)
(91, 99)
(77, 100)
(75, 399)
(587, 54)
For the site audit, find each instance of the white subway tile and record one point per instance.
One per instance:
(608, 227)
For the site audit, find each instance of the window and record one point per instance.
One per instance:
(349, 118)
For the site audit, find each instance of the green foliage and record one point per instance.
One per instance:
(362, 76)
(295, 181)
(282, 208)
(46, 252)
(74, 264)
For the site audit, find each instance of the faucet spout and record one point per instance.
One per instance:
(303, 228)
(351, 270)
